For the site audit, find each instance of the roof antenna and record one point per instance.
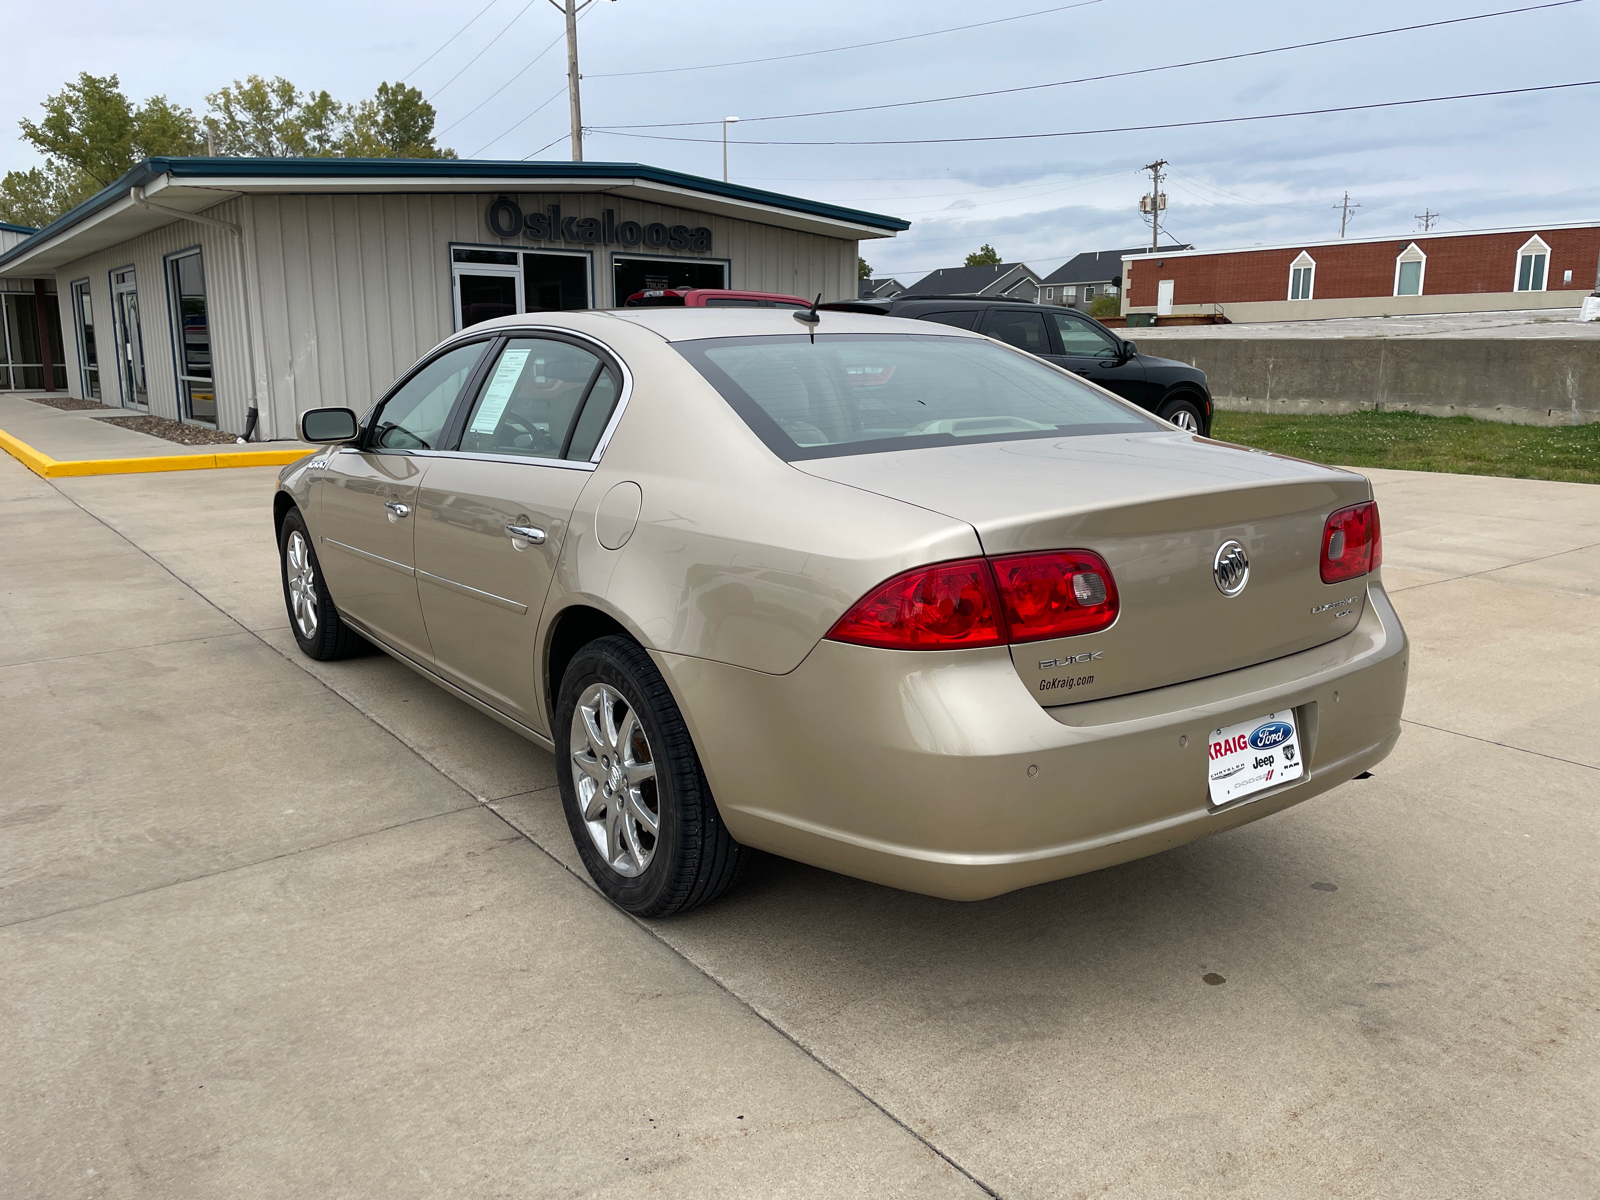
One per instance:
(809, 316)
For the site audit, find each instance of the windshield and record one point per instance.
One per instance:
(866, 393)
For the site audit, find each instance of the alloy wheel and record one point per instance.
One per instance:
(1185, 420)
(302, 576)
(614, 773)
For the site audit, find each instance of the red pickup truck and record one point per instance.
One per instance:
(711, 298)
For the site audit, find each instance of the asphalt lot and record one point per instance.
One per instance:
(277, 928)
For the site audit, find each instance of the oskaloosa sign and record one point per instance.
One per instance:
(507, 220)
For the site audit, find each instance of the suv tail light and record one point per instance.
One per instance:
(949, 606)
(1352, 543)
(955, 605)
(1054, 595)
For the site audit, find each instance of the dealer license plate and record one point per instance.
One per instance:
(1253, 756)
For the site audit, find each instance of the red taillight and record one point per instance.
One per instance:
(1059, 594)
(1352, 544)
(950, 606)
(955, 605)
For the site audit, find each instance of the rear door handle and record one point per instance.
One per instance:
(397, 510)
(523, 536)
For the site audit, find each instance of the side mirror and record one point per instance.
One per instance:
(325, 425)
(1129, 349)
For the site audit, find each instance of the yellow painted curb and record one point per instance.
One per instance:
(51, 468)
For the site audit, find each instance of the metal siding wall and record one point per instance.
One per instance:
(353, 289)
(224, 315)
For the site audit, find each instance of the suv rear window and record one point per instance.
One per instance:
(867, 393)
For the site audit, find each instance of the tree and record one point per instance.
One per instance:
(90, 136)
(255, 118)
(33, 198)
(396, 123)
(1105, 305)
(985, 255)
(863, 268)
(258, 118)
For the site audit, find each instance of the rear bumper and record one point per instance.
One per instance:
(939, 773)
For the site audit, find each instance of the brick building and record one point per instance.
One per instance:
(1546, 267)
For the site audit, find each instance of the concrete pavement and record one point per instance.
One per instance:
(274, 927)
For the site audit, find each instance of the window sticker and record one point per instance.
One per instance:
(499, 391)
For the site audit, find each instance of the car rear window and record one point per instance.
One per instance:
(867, 393)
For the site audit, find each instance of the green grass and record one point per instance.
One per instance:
(1413, 442)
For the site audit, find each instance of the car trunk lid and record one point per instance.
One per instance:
(1157, 507)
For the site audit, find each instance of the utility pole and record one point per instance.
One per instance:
(1154, 203)
(1346, 212)
(1427, 217)
(572, 8)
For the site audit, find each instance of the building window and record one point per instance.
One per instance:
(1049, 293)
(1302, 274)
(88, 355)
(1088, 291)
(630, 275)
(191, 335)
(1531, 262)
(1070, 293)
(1409, 270)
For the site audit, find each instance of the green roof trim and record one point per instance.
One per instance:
(197, 170)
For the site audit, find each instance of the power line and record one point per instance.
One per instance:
(1025, 137)
(450, 39)
(486, 46)
(561, 91)
(559, 38)
(910, 37)
(1034, 87)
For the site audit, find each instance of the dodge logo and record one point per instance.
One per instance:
(1231, 568)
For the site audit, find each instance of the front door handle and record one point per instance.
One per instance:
(523, 536)
(397, 510)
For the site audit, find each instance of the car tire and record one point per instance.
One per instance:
(318, 629)
(1184, 412)
(625, 762)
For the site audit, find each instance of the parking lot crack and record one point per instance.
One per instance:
(1504, 745)
(353, 837)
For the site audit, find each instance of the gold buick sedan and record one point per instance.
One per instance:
(895, 600)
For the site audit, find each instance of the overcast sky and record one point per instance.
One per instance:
(1480, 163)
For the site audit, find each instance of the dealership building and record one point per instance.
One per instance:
(1551, 266)
(201, 288)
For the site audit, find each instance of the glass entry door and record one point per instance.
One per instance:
(486, 285)
(89, 355)
(130, 341)
(197, 396)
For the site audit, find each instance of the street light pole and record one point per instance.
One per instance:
(726, 121)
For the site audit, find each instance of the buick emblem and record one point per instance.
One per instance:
(1231, 568)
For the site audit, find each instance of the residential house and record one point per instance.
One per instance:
(1016, 280)
(880, 289)
(1078, 281)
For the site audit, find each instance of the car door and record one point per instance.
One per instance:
(1087, 349)
(1021, 327)
(493, 514)
(368, 497)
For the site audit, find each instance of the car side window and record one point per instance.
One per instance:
(1025, 330)
(414, 416)
(1080, 337)
(542, 399)
(960, 318)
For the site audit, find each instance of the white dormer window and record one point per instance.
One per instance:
(1302, 274)
(1409, 270)
(1532, 261)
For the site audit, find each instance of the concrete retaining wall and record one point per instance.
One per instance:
(1531, 381)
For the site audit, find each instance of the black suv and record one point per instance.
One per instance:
(1172, 390)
